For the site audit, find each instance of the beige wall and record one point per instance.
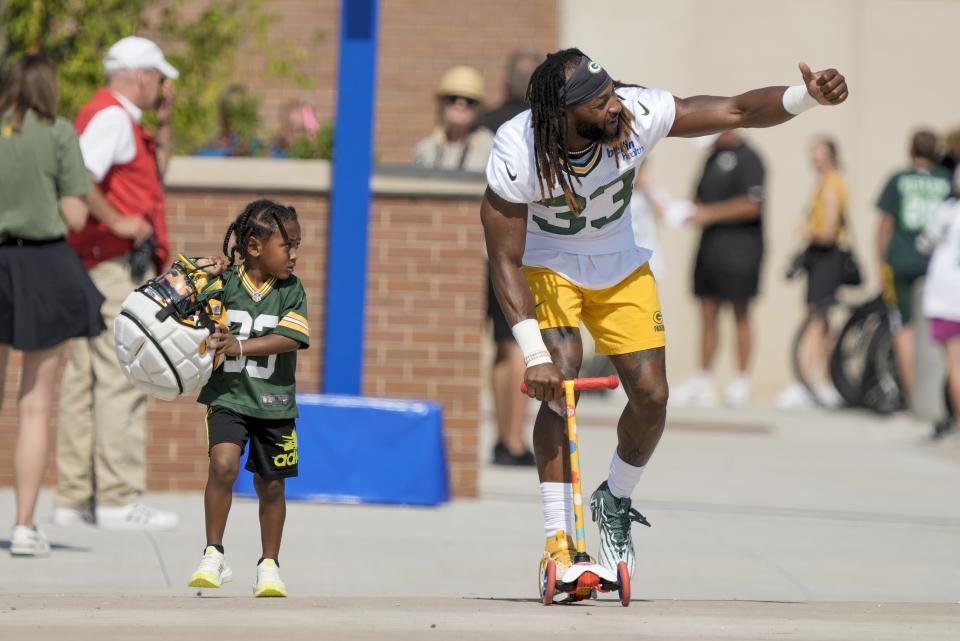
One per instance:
(897, 58)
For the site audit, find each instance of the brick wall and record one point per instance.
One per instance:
(425, 314)
(419, 40)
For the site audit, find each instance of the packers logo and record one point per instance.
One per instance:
(594, 67)
(657, 321)
(289, 455)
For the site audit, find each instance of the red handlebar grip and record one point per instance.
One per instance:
(603, 382)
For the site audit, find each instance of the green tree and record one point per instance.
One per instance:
(75, 35)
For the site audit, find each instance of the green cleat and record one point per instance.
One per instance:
(614, 516)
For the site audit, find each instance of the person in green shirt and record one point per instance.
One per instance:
(252, 396)
(46, 297)
(906, 205)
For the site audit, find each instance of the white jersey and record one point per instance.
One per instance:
(645, 227)
(941, 292)
(595, 248)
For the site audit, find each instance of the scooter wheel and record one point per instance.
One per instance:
(548, 583)
(623, 576)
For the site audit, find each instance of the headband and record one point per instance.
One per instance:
(587, 81)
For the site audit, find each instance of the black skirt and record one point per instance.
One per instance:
(824, 264)
(46, 296)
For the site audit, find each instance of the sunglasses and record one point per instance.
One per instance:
(452, 100)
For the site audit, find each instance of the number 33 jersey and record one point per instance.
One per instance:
(594, 248)
(260, 386)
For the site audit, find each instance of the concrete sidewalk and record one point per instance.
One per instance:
(764, 524)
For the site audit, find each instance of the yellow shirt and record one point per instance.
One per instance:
(832, 181)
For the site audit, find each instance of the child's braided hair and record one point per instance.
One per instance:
(260, 219)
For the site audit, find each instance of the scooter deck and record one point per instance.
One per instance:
(606, 581)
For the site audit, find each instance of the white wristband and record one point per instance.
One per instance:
(797, 99)
(240, 343)
(527, 333)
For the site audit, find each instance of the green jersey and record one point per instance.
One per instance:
(911, 197)
(259, 386)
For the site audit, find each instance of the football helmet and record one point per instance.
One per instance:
(162, 330)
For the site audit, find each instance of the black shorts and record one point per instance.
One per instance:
(273, 442)
(728, 264)
(824, 265)
(46, 295)
(501, 328)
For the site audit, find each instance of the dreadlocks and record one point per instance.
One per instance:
(545, 96)
(260, 219)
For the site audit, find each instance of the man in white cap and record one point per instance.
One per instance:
(101, 443)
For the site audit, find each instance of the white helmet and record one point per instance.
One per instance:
(162, 330)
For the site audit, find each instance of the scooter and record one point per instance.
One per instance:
(584, 578)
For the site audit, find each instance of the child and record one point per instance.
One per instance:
(941, 293)
(251, 396)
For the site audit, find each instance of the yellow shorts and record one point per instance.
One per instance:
(622, 319)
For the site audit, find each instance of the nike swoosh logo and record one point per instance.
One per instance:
(511, 175)
(646, 112)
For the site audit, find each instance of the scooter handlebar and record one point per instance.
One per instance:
(601, 382)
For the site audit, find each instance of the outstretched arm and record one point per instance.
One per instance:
(701, 115)
(505, 230)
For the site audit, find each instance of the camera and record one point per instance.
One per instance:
(141, 258)
(797, 265)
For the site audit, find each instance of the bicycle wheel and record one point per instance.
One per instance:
(881, 381)
(848, 361)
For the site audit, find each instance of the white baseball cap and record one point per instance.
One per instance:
(134, 52)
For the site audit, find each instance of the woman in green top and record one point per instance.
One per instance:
(46, 296)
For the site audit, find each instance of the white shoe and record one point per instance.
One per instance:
(268, 580)
(828, 396)
(136, 516)
(67, 516)
(25, 541)
(738, 392)
(696, 391)
(795, 396)
(213, 570)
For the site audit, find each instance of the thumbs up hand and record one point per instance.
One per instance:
(827, 87)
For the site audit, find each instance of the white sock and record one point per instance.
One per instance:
(557, 508)
(623, 477)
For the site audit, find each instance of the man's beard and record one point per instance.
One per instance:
(596, 133)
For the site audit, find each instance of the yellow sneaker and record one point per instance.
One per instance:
(268, 580)
(561, 548)
(212, 572)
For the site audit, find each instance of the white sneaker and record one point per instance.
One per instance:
(25, 541)
(696, 391)
(795, 396)
(136, 516)
(828, 396)
(213, 570)
(268, 580)
(738, 392)
(67, 516)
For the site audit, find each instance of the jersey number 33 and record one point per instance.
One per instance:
(236, 364)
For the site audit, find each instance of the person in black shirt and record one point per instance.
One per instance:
(520, 66)
(508, 367)
(729, 210)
